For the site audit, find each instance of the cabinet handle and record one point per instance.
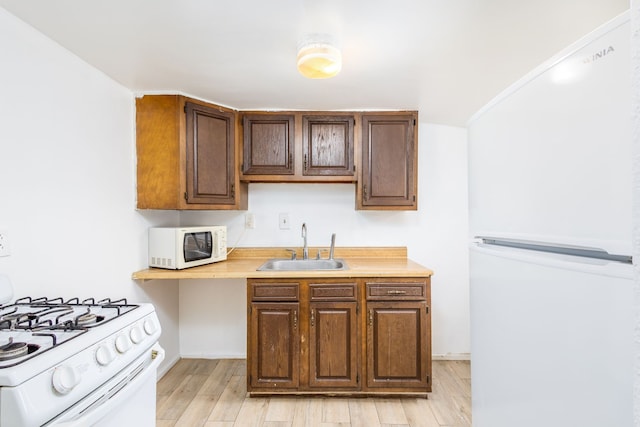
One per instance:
(233, 190)
(396, 292)
(295, 320)
(313, 317)
(305, 162)
(364, 192)
(370, 317)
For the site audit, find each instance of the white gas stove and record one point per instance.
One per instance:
(77, 363)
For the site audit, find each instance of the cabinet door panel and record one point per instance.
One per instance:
(328, 145)
(210, 155)
(333, 345)
(397, 351)
(268, 145)
(388, 161)
(274, 345)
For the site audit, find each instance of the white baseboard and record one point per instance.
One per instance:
(451, 356)
(213, 356)
(166, 366)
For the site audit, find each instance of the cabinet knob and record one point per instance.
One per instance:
(295, 320)
(370, 317)
(313, 317)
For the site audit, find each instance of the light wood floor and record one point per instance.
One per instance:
(212, 393)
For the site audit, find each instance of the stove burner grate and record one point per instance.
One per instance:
(13, 350)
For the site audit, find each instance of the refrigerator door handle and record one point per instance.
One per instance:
(579, 251)
(604, 267)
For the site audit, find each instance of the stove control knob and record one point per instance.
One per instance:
(65, 378)
(123, 343)
(104, 355)
(136, 334)
(150, 327)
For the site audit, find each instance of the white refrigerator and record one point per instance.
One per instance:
(550, 186)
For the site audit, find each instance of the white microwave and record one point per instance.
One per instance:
(177, 248)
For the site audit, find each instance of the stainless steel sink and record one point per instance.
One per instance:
(280, 264)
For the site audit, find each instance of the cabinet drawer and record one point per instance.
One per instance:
(332, 291)
(405, 291)
(273, 291)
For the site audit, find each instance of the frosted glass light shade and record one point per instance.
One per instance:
(319, 60)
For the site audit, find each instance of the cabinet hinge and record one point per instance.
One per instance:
(414, 122)
(185, 108)
(428, 379)
(427, 308)
(357, 378)
(186, 198)
(357, 308)
(414, 197)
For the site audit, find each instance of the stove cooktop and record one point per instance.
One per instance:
(29, 327)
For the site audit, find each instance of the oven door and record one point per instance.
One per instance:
(129, 398)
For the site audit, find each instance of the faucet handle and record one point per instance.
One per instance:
(293, 253)
(320, 251)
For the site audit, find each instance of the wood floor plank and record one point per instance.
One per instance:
(390, 411)
(307, 413)
(219, 378)
(173, 407)
(231, 400)
(281, 410)
(335, 411)
(419, 413)
(252, 412)
(212, 393)
(363, 413)
(197, 413)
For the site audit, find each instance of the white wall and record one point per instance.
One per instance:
(435, 236)
(67, 179)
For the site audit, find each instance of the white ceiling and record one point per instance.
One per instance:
(446, 58)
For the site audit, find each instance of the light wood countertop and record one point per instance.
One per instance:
(242, 263)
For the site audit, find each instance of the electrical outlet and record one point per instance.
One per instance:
(249, 220)
(283, 221)
(4, 243)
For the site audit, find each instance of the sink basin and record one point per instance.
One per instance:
(279, 264)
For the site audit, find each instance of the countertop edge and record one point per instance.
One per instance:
(243, 264)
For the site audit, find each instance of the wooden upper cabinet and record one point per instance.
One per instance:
(327, 145)
(389, 177)
(186, 154)
(268, 144)
(298, 147)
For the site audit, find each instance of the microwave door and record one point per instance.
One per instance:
(197, 246)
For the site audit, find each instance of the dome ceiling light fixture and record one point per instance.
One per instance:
(318, 57)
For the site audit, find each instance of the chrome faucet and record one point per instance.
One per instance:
(333, 245)
(305, 248)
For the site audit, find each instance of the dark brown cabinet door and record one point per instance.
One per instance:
(327, 145)
(210, 155)
(274, 345)
(268, 144)
(333, 345)
(389, 162)
(397, 345)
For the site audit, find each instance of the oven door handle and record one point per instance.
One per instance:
(98, 411)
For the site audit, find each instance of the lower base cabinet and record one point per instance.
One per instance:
(339, 336)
